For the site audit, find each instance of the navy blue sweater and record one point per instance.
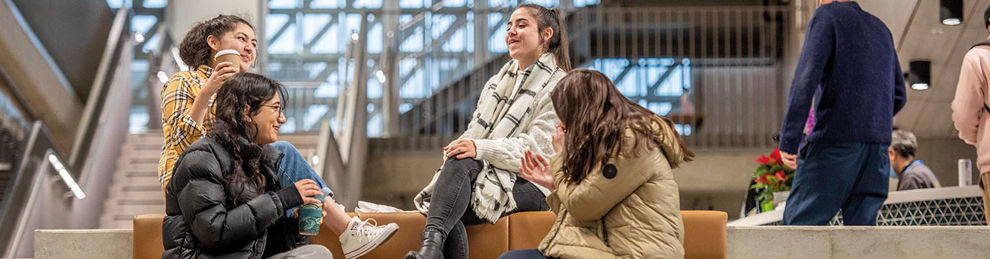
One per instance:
(849, 55)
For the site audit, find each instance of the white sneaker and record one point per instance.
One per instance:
(361, 237)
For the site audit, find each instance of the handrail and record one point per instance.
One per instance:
(22, 189)
(31, 193)
(90, 116)
(160, 59)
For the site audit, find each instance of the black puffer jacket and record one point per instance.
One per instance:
(201, 220)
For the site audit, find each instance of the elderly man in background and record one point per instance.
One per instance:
(911, 172)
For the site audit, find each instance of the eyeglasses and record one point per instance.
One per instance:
(277, 107)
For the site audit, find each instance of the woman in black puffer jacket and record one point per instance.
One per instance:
(223, 200)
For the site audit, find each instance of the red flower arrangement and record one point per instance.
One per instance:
(771, 176)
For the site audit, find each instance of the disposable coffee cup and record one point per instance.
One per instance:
(309, 217)
(228, 55)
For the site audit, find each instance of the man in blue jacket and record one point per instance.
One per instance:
(849, 55)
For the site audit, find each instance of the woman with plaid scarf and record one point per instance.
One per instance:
(479, 180)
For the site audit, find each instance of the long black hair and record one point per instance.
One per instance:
(234, 130)
(194, 50)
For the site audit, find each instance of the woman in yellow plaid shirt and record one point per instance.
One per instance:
(187, 115)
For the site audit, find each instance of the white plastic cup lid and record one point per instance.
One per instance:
(226, 51)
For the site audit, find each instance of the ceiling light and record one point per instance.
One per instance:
(950, 12)
(920, 75)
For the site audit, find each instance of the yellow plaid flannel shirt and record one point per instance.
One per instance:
(180, 129)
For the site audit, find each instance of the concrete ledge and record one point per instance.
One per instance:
(743, 242)
(83, 243)
(858, 242)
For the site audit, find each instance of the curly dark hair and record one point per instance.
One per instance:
(194, 50)
(234, 131)
(596, 116)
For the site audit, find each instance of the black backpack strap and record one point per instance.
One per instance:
(982, 43)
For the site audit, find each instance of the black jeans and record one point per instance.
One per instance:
(450, 205)
(524, 254)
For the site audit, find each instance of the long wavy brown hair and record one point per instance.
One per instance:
(595, 115)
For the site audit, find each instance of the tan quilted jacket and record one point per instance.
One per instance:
(627, 209)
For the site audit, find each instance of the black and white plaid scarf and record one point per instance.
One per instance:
(500, 114)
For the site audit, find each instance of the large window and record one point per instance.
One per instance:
(659, 84)
(144, 23)
(308, 44)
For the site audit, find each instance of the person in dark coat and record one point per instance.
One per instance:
(224, 199)
(848, 68)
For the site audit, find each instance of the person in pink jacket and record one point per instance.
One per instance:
(970, 112)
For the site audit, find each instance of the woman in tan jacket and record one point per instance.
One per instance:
(613, 187)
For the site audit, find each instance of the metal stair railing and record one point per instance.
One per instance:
(41, 167)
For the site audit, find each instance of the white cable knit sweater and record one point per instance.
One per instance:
(504, 126)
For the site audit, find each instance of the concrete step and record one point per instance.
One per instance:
(83, 243)
(131, 210)
(146, 143)
(146, 187)
(141, 159)
(129, 162)
(123, 179)
(137, 172)
(130, 202)
(145, 136)
(143, 167)
(155, 194)
(117, 222)
(143, 147)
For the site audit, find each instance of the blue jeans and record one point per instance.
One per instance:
(833, 176)
(293, 167)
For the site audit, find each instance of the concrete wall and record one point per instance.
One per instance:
(716, 180)
(743, 242)
(857, 242)
(942, 154)
(84, 244)
(394, 178)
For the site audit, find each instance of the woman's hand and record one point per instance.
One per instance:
(308, 188)
(221, 73)
(558, 138)
(463, 148)
(536, 169)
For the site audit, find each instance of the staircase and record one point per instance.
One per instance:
(135, 189)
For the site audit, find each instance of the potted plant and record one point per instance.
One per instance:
(771, 176)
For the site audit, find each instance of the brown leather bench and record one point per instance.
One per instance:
(705, 235)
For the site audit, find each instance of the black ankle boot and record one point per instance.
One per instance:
(431, 248)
